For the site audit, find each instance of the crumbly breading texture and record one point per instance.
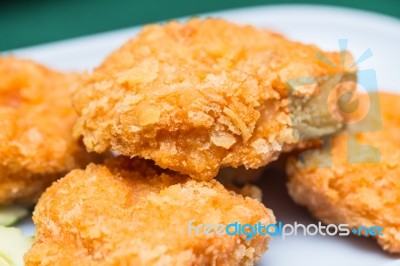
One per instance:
(359, 194)
(203, 94)
(36, 119)
(129, 212)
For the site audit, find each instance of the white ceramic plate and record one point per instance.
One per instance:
(320, 25)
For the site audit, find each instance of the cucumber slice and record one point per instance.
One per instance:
(4, 261)
(9, 215)
(13, 246)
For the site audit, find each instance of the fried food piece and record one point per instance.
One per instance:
(36, 119)
(358, 194)
(206, 94)
(132, 212)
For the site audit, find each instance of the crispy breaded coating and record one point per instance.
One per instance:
(206, 94)
(358, 194)
(36, 119)
(130, 212)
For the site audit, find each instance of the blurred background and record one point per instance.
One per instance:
(30, 22)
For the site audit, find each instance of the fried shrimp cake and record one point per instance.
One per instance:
(206, 94)
(130, 212)
(358, 194)
(36, 119)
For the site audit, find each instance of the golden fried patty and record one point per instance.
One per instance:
(130, 212)
(36, 118)
(207, 93)
(362, 188)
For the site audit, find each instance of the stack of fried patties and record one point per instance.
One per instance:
(177, 103)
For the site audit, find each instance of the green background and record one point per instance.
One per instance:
(27, 22)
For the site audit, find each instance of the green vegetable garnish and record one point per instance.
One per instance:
(11, 214)
(13, 246)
